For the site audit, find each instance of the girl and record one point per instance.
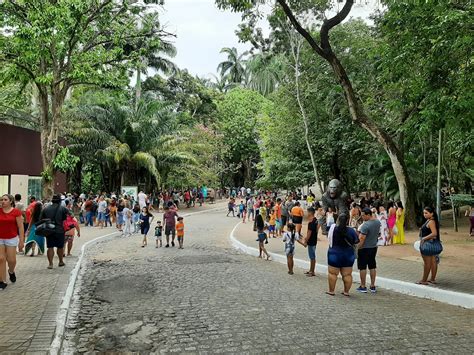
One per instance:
(262, 236)
(33, 239)
(136, 217)
(146, 218)
(329, 217)
(70, 226)
(289, 238)
(400, 237)
(382, 217)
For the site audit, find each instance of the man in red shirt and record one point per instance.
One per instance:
(277, 209)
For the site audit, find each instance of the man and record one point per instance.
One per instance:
(102, 206)
(169, 222)
(88, 208)
(142, 199)
(57, 214)
(311, 240)
(277, 209)
(367, 250)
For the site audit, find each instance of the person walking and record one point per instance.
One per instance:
(136, 217)
(250, 210)
(429, 232)
(12, 235)
(57, 214)
(399, 238)
(169, 222)
(261, 236)
(367, 250)
(34, 240)
(392, 219)
(101, 207)
(311, 241)
(341, 255)
(180, 232)
(70, 227)
(127, 219)
(146, 219)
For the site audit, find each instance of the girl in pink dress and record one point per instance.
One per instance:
(392, 219)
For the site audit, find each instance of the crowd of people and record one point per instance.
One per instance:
(20, 223)
(371, 223)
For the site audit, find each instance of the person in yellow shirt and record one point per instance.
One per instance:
(272, 224)
(180, 232)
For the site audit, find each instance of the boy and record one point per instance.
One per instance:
(242, 210)
(272, 224)
(180, 231)
(158, 234)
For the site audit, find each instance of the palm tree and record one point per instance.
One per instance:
(266, 70)
(233, 69)
(122, 138)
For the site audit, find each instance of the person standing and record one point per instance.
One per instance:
(429, 231)
(101, 207)
(142, 199)
(12, 235)
(70, 227)
(57, 214)
(169, 222)
(180, 232)
(391, 220)
(297, 215)
(89, 212)
(289, 238)
(146, 219)
(311, 241)
(34, 240)
(250, 210)
(278, 214)
(127, 219)
(367, 251)
(399, 238)
(21, 207)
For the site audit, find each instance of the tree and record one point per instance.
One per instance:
(233, 69)
(58, 45)
(322, 47)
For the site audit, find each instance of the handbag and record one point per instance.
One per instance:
(46, 227)
(431, 247)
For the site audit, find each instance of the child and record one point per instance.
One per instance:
(158, 234)
(180, 231)
(242, 210)
(329, 217)
(289, 239)
(262, 236)
(230, 206)
(272, 223)
(146, 219)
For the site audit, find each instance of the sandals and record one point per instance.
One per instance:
(433, 282)
(422, 283)
(345, 294)
(330, 293)
(61, 264)
(310, 274)
(50, 267)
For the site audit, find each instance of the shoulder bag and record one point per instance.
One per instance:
(46, 227)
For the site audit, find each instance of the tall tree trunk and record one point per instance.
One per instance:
(325, 51)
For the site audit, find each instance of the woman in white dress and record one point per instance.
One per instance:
(382, 217)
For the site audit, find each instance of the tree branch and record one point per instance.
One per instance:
(333, 22)
(312, 42)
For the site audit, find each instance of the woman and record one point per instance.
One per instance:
(33, 239)
(391, 220)
(429, 231)
(382, 217)
(356, 216)
(146, 219)
(113, 211)
(11, 225)
(297, 215)
(341, 255)
(120, 219)
(399, 238)
(70, 227)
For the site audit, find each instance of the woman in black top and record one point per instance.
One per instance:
(429, 231)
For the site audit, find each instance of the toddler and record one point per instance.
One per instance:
(159, 234)
(180, 232)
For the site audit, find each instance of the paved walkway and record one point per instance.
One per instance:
(28, 309)
(408, 268)
(210, 298)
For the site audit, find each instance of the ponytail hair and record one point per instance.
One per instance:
(435, 218)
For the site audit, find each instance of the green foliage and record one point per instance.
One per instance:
(65, 161)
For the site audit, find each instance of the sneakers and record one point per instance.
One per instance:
(373, 289)
(12, 277)
(172, 244)
(362, 289)
(167, 246)
(3, 285)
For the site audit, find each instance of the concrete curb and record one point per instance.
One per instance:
(61, 319)
(464, 300)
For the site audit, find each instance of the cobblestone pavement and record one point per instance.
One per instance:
(210, 298)
(409, 269)
(28, 309)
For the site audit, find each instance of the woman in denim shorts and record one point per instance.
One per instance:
(11, 225)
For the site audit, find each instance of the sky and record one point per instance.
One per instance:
(203, 30)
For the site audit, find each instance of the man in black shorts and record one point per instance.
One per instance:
(57, 214)
(368, 235)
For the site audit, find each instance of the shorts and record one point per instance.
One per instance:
(101, 216)
(341, 257)
(262, 237)
(290, 250)
(180, 238)
(11, 242)
(271, 228)
(68, 238)
(158, 237)
(145, 229)
(170, 230)
(366, 258)
(312, 252)
(284, 219)
(297, 220)
(55, 240)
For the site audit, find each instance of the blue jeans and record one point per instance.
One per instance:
(89, 220)
(81, 217)
(312, 252)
